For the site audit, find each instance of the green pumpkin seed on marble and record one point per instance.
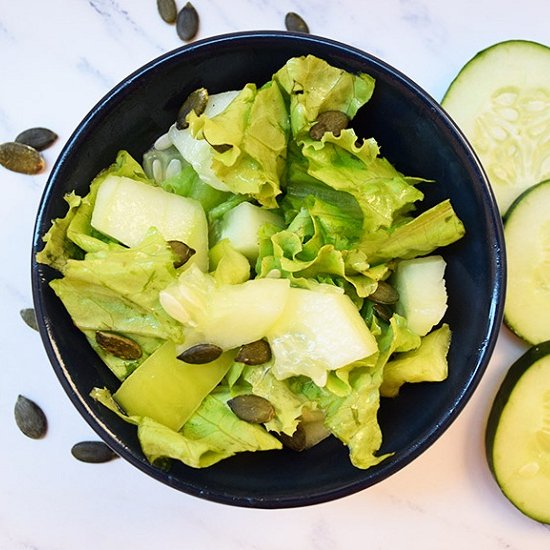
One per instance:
(21, 158)
(196, 101)
(187, 22)
(93, 452)
(254, 353)
(295, 23)
(329, 121)
(118, 345)
(30, 418)
(37, 138)
(167, 10)
(182, 252)
(29, 317)
(201, 354)
(384, 294)
(252, 408)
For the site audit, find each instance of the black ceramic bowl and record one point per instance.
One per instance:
(414, 134)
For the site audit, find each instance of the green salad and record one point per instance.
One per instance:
(262, 278)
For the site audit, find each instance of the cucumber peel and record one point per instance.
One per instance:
(527, 236)
(517, 438)
(501, 100)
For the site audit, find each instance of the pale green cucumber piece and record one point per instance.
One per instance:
(527, 236)
(501, 101)
(422, 292)
(227, 315)
(241, 226)
(126, 209)
(318, 331)
(517, 438)
(169, 390)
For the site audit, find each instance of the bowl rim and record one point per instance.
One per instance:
(424, 440)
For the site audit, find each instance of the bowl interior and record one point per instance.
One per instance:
(415, 135)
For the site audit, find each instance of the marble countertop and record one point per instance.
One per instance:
(57, 59)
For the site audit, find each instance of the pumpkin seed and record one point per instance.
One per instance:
(252, 408)
(21, 158)
(196, 101)
(384, 294)
(295, 23)
(29, 316)
(201, 353)
(118, 345)
(255, 353)
(222, 147)
(182, 252)
(329, 121)
(30, 418)
(383, 311)
(37, 138)
(310, 431)
(94, 452)
(187, 22)
(296, 441)
(167, 10)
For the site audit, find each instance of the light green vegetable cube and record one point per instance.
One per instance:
(241, 226)
(422, 292)
(318, 331)
(168, 390)
(126, 209)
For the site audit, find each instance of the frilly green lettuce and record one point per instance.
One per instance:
(249, 141)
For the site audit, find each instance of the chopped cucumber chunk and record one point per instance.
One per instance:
(318, 331)
(227, 315)
(241, 225)
(168, 390)
(422, 292)
(126, 209)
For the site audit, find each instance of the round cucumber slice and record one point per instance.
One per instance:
(527, 237)
(501, 101)
(518, 434)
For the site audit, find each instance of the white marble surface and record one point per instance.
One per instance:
(57, 58)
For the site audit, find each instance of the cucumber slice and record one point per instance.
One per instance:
(501, 101)
(517, 437)
(527, 237)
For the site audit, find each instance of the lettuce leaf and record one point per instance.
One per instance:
(287, 404)
(212, 434)
(312, 86)
(383, 194)
(249, 142)
(72, 234)
(117, 289)
(436, 227)
(427, 363)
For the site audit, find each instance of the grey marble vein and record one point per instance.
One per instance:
(117, 18)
